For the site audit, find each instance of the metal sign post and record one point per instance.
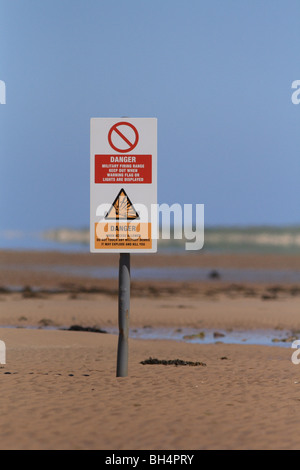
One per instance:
(123, 182)
(124, 313)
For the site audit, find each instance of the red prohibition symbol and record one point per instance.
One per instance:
(120, 128)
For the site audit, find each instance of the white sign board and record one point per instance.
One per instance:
(123, 202)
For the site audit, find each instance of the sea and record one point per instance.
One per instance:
(251, 240)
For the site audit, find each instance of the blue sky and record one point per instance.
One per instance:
(216, 74)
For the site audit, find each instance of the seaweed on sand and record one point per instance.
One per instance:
(175, 362)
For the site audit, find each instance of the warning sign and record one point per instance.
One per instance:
(133, 236)
(123, 185)
(123, 137)
(111, 169)
(122, 208)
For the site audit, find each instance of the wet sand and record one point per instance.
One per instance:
(59, 390)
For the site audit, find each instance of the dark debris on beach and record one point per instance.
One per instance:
(175, 362)
(89, 329)
(186, 289)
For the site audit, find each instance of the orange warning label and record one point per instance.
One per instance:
(133, 235)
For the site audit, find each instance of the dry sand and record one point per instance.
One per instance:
(59, 390)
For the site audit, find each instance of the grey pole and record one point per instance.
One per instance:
(124, 310)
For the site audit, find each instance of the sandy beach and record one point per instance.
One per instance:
(167, 131)
(59, 390)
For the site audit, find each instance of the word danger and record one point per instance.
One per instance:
(296, 94)
(152, 459)
(121, 159)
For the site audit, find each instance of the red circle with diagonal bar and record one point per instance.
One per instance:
(120, 130)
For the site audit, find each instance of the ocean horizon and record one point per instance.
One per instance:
(217, 239)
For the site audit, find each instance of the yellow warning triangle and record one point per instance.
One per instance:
(122, 208)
